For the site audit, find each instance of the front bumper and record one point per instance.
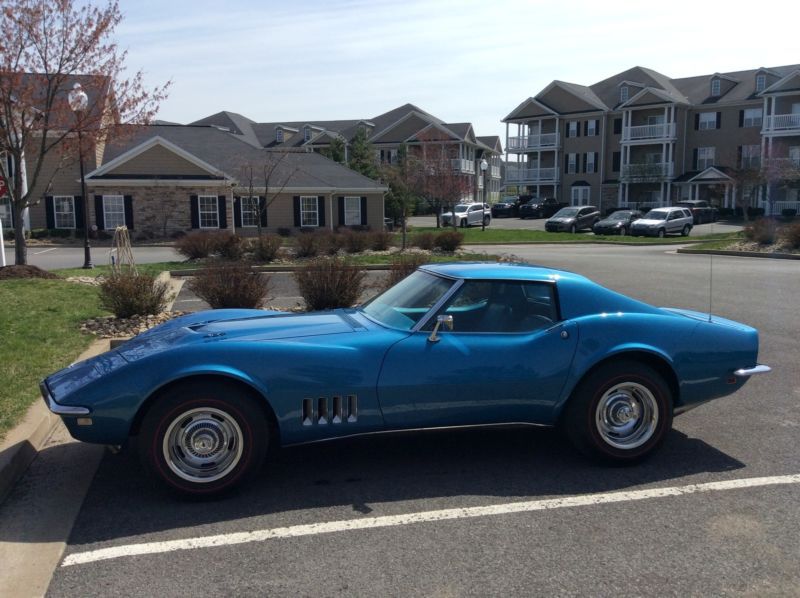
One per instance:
(753, 371)
(56, 407)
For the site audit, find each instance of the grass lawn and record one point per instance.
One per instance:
(40, 322)
(153, 269)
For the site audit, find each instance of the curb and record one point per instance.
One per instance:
(23, 442)
(773, 256)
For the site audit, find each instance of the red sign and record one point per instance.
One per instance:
(3, 189)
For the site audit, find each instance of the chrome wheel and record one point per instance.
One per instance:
(203, 445)
(627, 415)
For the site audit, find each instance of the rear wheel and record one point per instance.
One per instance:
(486, 220)
(620, 413)
(685, 231)
(204, 439)
(661, 233)
(573, 229)
(463, 223)
(623, 231)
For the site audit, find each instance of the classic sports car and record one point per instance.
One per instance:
(208, 393)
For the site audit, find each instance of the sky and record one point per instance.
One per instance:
(462, 61)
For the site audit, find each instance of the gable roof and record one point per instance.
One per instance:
(232, 122)
(790, 82)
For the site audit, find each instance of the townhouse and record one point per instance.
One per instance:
(642, 139)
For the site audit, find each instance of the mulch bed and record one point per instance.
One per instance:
(9, 272)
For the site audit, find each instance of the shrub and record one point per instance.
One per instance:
(39, 233)
(424, 240)
(63, 233)
(448, 241)
(127, 294)
(230, 285)
(285, 232)
(788, 213)
(402, 265)
(307, 245)
(197, 245)
(726, 212)
(762, 231)
(228, 245)
(329, 282)
(265, 248)
(791, 233)
(753, 213)
(355, 242)
(330, 243)
(381, 240)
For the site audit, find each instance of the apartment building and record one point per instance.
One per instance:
(640, 138)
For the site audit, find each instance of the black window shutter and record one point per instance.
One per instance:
(297, 210)
(128, 200)
(78, 203)
(50, 211)
(595, 161)
(321, 210)
(341, 211)
(586, 128)
(739, 157)
(617, 126)
(566, 129)
(237, 211)
(741, 118)
(597, 126)
(194, 210)
(363, 211)
(719, 120)
(616, 158)
(566, 162)
(697, 122)
(222, 209)
(578, 129)
(99, 214)
(585, 161)
(694, 159)
(262, 209)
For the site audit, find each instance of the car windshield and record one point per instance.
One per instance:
(566, 212)
(404, 304)
(621, 215)
(462, 208)
(657, 215)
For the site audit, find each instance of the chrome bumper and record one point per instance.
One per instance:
(60, 409)
(759, 369)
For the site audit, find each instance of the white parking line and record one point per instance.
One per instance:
(45, 251)
(312, 529)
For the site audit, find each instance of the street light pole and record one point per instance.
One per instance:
(78, 101)
(484, 168)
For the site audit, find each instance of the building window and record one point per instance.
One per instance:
(751, 156)
(388, 156)
(352, 211)
(207, 209)
(705, 157)
(572, 163)
(572, 128)
(617, 126)
(279, 135)
(623, 93)
(249, 210)
(306, 133)
(581, 195)
(752, 117)
(708, 120)
(5, 212)
(761, 82)
(794, 155)
(309, 215)
(591, 161)
(64, 211)
(715, 87)
(591, 127)
(113, 211)
(616, 159)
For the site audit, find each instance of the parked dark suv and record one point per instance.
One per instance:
(701, 210)
(572, 219)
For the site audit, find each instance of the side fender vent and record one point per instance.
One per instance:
(343, 410)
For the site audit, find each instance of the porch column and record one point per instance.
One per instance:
(727, 193)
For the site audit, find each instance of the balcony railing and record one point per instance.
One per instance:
(495, 172)
(783, 122)
(648, 172)
(463, 165)
(533, 142)
(516, 174)
(646, 132)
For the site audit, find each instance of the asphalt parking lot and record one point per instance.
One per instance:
(490, 512)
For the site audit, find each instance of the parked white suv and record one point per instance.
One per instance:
(660, 222)
(467, 215)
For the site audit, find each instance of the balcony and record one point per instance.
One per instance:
(518, 174)
(463, 165)
(789, 123)
(647, 173)
(646, 133)
(534, 142)
(495, 172)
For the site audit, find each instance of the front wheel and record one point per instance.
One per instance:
(463, 223)
(203, 439)
(685, 231)
(661, 233)
(620, 413)
(573, 229)
(623, 231)
(486, 221)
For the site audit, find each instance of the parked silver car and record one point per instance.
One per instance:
(661, 222)
(468, 214)
(572, 219)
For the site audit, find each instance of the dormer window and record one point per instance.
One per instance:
(715, 87)
(761, 82)
(623, 93)
(279, 135)
(306, 133)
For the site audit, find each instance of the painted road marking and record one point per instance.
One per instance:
(45, 251)
(312, 529)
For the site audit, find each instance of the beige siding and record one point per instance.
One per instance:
(158, 160)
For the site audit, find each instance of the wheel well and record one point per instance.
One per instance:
(659, 364)
(257, 397)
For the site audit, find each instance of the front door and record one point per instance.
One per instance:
(506, 360)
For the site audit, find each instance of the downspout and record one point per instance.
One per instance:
(602, 158)
(233, 210)
(330, 210)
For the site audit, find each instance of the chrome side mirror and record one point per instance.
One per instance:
(447, 321)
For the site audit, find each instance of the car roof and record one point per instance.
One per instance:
(500, 271)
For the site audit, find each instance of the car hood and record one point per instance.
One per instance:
(609, 222)
(561, 219)
(648, 222)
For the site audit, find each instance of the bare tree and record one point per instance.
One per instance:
(46, 47)
(441, 182)
(403, 179)
(275, 170)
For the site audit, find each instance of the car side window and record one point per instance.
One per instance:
(501, 307)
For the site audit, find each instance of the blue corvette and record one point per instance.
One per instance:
(208, 394)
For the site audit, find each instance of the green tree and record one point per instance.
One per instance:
(335, 151)
(362, 155)
(403, 179)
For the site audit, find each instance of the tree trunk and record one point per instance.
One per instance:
(20, 246)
